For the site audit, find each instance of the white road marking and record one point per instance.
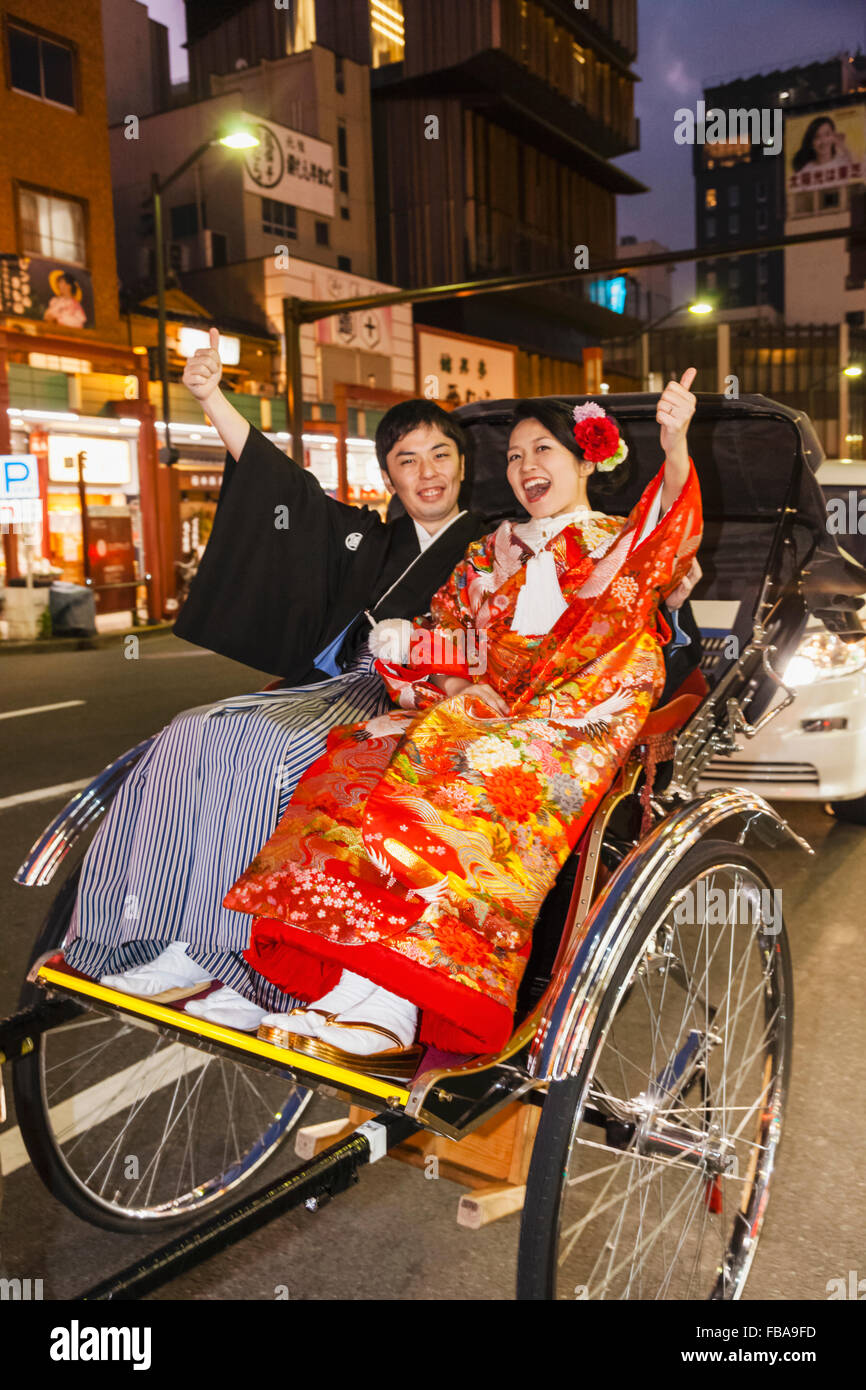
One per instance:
(106, 1098)
(171, 656)
(39, 709)
(44, 793)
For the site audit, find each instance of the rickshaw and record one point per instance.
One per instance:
(635, 1115)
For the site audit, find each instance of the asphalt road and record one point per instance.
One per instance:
(395, 1234)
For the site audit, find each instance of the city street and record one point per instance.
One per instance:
(395, 1234)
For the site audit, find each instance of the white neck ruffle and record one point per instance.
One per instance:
(540, 603)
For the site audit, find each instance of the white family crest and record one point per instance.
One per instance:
(353, 540)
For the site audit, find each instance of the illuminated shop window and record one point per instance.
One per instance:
(386, 31)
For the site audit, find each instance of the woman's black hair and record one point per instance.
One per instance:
(806, 153)
(558, 421)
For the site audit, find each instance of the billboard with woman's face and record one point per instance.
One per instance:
(37, 288)
(825, 150)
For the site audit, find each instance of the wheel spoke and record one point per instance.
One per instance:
(698, 1066)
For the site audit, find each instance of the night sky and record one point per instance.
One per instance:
(683, 45)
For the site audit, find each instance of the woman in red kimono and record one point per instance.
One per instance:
(409, 868)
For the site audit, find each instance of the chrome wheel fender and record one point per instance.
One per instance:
(77, 815)
(572, 1001)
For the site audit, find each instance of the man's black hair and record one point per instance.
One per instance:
(557, 419)
(406, 416)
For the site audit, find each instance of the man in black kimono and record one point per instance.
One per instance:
(283, 587)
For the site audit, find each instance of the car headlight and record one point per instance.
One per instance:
(821, 655)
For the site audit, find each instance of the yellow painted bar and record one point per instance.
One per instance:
(240, 1042)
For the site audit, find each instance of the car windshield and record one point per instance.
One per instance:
(846, 517)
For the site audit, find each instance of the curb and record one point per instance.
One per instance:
(81, 644)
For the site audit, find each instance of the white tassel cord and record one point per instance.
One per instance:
(540, 603)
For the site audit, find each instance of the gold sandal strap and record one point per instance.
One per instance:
(371, 1028)
(328, 1017)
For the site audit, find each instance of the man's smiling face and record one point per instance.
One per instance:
(425, 469)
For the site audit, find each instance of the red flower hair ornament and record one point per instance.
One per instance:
(598, 437)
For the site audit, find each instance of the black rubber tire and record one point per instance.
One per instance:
(539, 1229)
(853, 812)
(27, 1077)
(36, 1130)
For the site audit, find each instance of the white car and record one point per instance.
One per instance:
(815, 749)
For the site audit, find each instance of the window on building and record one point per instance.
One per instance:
(733, 196)
(734, 275)
(41, 66)
(300, 21)
(760, 191)
(219, 248)
(184, 220)
(387, 38)
(323, 234)
(344, 262)
(829, 198)
(710, 279)
(279, 219)
(710, 227)
(804, 203)
(734, 224)
(710, 198)
(339, 74)
(761, 219)
(344, 213)
(763, 271)
(51, 226)
(343, 156)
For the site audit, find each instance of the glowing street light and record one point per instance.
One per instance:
(239, 137)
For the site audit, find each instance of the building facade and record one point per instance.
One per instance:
(71, 386)
(743, 195)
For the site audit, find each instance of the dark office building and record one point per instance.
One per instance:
(740, 191)
(495, 123)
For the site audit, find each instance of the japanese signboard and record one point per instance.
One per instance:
(108, 461)
(37, 288)
(826, 150)
(369, 329)
(455, 368)
(290, 167)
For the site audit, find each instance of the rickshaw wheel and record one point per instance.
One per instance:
(132, 1130)
(651, 1168)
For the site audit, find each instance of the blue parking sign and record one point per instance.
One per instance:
(19, 475)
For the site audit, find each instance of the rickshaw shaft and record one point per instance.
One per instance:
(332, 1171)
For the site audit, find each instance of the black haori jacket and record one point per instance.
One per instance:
(287, 568)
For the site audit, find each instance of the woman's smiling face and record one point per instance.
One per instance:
(545, 477)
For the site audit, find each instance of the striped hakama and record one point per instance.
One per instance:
(190, 817)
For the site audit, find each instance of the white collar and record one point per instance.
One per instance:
(538, 531)
(425, 539)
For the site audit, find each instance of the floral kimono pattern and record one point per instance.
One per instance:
(417, 851)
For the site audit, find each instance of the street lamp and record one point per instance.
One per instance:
(852, 371)
(238, 138)
(699, 307)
